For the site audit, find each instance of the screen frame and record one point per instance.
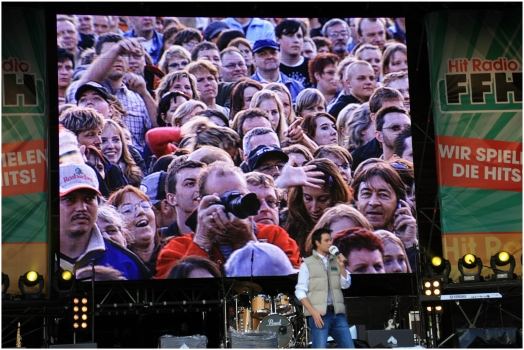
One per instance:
(413, 14)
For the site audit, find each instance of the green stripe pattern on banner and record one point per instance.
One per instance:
(475, 210)
(463, 36)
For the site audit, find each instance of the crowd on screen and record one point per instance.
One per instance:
(166, 123)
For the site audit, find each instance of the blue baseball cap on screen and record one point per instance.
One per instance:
(265, 44)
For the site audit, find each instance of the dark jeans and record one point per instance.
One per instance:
(334, 325)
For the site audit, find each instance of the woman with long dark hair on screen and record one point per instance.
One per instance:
(139, 219)
(306, 204)
(194, 267)
(241, 95)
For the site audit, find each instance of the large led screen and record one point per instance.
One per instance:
(214, 147)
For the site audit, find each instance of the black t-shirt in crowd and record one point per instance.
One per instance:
(299, 72)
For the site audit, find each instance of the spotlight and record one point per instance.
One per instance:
(31, 285)
(473, 264)
(500, 259)
(65, 281)
(5, 284)
(440, 267)
(66, 275)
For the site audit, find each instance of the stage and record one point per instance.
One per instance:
(139, 314)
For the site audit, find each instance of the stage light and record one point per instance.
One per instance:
(473, 264)
(31, 285)
(436, 309)
(500, 259)
(431, 287)
(80, 313)
(67, 275)
(5, 284)
(440, 267)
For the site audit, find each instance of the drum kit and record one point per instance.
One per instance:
(257, 312)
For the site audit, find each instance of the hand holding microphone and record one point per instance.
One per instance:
(333, 250)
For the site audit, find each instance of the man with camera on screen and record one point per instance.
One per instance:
(224, 222)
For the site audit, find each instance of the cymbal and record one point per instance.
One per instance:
(246, 287)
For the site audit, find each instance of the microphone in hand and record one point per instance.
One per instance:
(333, 250)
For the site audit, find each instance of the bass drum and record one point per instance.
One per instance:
(279, 325)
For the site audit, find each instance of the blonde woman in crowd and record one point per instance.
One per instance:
(178, 81)
(115, 148)
(285, 98)
(175, 58)
(344, 116)
(270, 102)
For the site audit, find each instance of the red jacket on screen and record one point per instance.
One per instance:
(182, 246)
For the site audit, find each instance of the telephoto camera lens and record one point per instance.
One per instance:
(240, 205)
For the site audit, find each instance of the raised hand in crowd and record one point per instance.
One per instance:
(300, 176)
(296, 134)
(405, 224)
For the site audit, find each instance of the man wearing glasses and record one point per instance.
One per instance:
(81, 242)
(337, 31)
(233, 65)
(390, 122)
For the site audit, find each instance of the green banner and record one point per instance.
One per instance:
(475, 60)
(24, 143)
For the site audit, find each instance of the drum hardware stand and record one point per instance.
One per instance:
(225, 339)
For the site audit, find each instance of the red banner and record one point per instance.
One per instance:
(23, 168)
(479, 163)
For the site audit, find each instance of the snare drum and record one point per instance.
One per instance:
(261, 305)
(282, 303)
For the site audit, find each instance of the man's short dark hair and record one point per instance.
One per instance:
(321, 41)
(107, 38)
(80, 119)
(380, 95)
(381, 115)
(370, 19)
(202, 46)
(316, 236)
(186, 35)
(171, 175)
(63, 55)
(289, 27)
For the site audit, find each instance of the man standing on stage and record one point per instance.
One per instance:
(321, 279)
